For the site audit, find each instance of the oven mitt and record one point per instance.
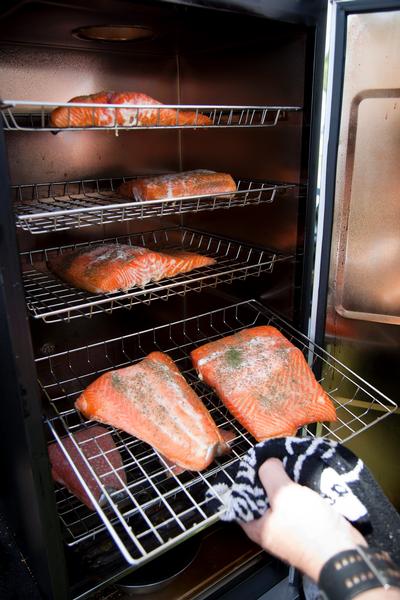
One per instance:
(326, 467)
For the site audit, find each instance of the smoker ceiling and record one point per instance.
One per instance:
(177, 26)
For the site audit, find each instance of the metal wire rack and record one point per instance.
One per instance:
(158, 509)
(35, 116)
(46, 207)
(52, 300)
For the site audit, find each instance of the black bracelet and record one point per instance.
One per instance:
(352, 572)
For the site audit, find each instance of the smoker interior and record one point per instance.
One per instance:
(196, 56)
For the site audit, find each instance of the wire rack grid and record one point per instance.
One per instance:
(157, 508)
(47, 207)
(35, 116)
(52, 300)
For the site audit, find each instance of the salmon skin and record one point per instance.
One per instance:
(152, 401)
(64, 116)
(107, 268)
(98, 447)
(264, 381)
(175, 185)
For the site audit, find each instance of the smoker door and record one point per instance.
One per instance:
(356, 309)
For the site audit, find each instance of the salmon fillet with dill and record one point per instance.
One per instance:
(152, 401)
(264, 381)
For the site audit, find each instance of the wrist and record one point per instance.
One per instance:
(312, 566)
(357, 571)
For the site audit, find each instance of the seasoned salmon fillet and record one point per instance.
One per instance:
(175, 262)
(124, 117)
(152, 401)
(264, 381)
(106, 268)
(188, 183)
(84, 117)
(97, 445)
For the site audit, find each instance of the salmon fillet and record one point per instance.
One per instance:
(178, 261)
(264, 381)
(189, 183)
(99, 448)
(124, 117)
(84, 117)
(106, 268)
(152, 401)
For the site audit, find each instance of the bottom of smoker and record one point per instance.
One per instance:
(227, 565)
(160, 572)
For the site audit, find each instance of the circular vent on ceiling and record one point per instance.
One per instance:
(113, 33)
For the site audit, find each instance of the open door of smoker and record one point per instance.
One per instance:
(356, 301)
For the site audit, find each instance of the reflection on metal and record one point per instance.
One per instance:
(363, 309)
(369, 241)
(365, 279)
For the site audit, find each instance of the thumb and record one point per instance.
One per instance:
(273, 477)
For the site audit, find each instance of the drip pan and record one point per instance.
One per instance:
(161, 571)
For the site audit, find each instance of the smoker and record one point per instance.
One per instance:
(311, 253)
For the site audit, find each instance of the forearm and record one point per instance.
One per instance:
(380, 594)
(303, 530)
(322, 549)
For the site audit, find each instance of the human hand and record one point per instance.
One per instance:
(300, 527)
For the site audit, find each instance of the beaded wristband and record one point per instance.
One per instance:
(352, 572)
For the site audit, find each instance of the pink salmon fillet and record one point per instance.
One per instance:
(107, 268)
(98, 447)
(152, 401)
(264, 381)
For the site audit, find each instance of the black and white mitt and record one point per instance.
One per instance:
(326, 467)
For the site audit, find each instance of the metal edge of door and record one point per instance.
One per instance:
(309, 171)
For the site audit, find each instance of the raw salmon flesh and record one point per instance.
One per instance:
(176, 185)
(76, 116)
(97, 445)
(106, 268)
(152, 401)
(264, 381)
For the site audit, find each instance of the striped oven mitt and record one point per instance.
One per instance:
(326, 467)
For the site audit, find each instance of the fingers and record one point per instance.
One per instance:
(273, 477)
(253, 530)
